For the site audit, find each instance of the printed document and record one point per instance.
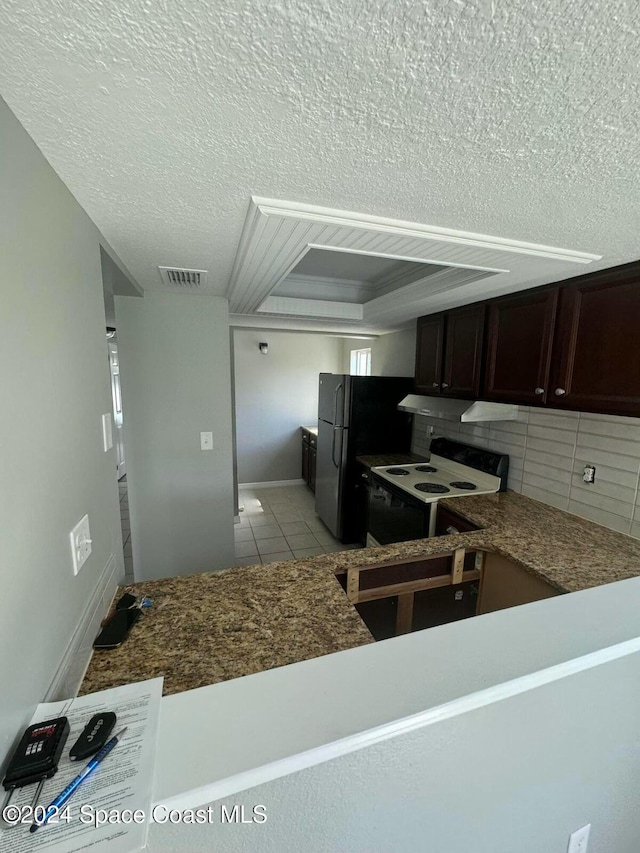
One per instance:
(111, 809)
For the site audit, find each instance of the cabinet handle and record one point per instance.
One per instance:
(539, 390)
(560, 392)
(436, 384)
(445, 384)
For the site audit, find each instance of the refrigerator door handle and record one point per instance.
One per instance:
(336, 429)
(335, 402)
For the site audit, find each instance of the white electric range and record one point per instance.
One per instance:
(403, 498)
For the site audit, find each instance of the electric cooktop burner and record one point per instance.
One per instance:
(434, 488)
(425, 469)
(400, 472)
(463, 484)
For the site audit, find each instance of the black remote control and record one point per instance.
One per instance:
(94, 736)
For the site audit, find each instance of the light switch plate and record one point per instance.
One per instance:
(579, 840)
(206, 441)
(107, 434)
(80, 543)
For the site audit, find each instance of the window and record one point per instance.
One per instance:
(361, 362)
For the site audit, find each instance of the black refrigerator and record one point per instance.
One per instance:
(357, 415)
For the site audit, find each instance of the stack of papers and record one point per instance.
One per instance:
(113, 807)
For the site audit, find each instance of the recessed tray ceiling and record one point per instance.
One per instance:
(301, 261)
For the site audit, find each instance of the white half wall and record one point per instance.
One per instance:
(55, 386)
(174, 364)
(276, 394)
(520, 774)
(506, 732)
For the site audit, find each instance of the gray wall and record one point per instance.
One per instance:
(275, 395)
(394, 354)
(520, 774)
(55, 387)
(391, 355)
(174, 360)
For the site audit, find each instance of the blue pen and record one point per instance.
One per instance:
(55, 806)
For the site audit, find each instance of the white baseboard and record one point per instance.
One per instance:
(75, 660)
(271, 483)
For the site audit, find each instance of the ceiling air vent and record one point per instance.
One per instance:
(183, 279)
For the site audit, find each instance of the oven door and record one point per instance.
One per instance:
(395, 516)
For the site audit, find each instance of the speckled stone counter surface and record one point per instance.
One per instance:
(207, 628)
(212, 627)
(390, 459)
(568, 552)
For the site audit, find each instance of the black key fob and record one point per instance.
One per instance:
(94, 736)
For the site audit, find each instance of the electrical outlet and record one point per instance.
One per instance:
(589, 474)
(206, 441)
(80, 543)
(579, 840)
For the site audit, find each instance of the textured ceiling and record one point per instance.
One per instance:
(519, 119)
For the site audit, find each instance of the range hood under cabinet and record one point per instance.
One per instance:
(462, 411)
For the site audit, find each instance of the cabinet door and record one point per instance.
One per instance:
(305, 457)
(448, 523)
(597, 355)
(312, 467)
(520, 335)
(464, 334)
(429, 348)
(505, 584)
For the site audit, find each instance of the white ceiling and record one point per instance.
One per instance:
(346, 265)
(518, 119)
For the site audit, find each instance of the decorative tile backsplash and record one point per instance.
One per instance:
(548, 450)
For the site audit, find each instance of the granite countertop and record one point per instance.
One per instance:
(566, 551)
(212, 627)
(311, 429)
(206, 628)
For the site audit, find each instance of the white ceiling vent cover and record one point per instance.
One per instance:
(183, 278)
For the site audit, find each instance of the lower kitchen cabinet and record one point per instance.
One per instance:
(309, 457)
(360, 503)
(448, 522)
(313, 456)
(506, 584)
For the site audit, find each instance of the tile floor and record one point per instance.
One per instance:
(126, 529)
(280, 523)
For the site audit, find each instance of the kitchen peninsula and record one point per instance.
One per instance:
(208, 628)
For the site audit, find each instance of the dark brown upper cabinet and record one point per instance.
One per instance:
(596, 360)
(572, 345)
(464, 335)
(429, 352)
(449, 352)
(519, 345)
